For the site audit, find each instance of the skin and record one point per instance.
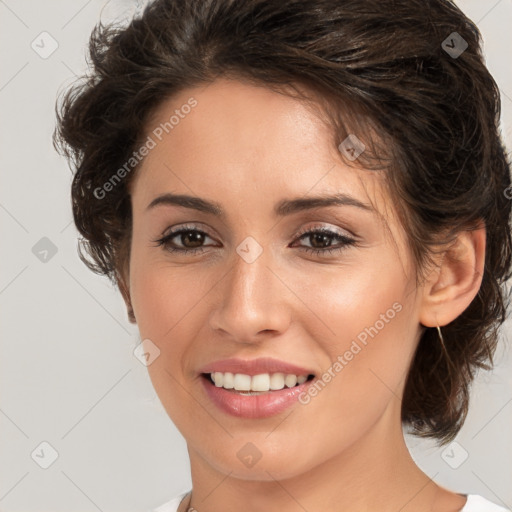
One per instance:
(247, 148)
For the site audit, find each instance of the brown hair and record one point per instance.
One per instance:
(436, 114)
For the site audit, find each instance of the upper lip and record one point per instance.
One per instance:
(255, 367)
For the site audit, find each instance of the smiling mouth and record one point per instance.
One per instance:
(252, 385)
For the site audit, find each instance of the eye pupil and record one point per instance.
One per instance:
(321, 238)
(197, 238)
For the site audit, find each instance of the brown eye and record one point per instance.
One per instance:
(191, 240)
(193, 237)
(321, 241)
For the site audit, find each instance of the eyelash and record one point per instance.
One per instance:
(345, 240)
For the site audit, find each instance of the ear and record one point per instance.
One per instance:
(125, 292)
(454, 283)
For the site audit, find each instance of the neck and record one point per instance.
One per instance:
(376, 473)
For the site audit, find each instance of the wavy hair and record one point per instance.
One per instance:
(381, 67)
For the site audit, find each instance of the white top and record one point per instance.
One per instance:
(475, 503)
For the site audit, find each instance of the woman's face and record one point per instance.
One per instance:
(256, 288)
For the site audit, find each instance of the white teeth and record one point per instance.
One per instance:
(290, 380)
(277, 381)
(263, 382)
(219, 379)
(260, 382)
(242, 382)
(228, 382)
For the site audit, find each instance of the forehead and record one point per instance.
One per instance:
(240, 140)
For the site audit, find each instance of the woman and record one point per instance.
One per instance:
(304, 206)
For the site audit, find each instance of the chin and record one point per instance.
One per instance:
(258, 457)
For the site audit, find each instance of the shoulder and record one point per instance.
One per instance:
(478, 503)
(171, 505)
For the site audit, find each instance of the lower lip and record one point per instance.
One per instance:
(253, 406)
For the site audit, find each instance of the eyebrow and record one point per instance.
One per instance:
(283, 208)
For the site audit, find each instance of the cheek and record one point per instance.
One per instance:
(353, 297)
(152, 302)
(366, 317)
(163, 300)
(164, 309)
(161, 292)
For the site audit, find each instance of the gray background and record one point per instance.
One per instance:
(68, 374)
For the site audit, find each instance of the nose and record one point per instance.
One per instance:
(251, 301)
